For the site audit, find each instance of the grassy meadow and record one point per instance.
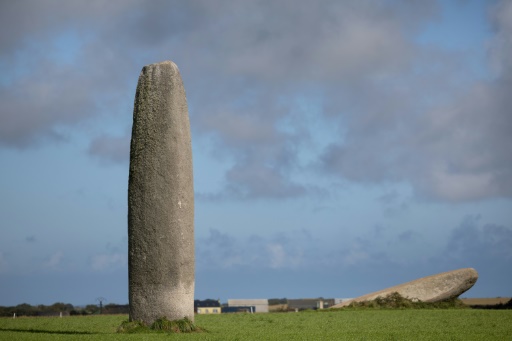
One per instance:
(408, 324)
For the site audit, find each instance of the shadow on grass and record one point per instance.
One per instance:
(43, 331)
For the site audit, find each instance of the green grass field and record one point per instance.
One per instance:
(410, 324)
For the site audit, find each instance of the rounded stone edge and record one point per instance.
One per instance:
(470, 274)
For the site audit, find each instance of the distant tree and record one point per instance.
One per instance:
(24, 309)
(276, 301)
(7, 311)
(91, 309)
(60, 307)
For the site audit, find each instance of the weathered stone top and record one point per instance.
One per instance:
(433, 288)
(166, 64)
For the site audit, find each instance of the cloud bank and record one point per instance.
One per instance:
(393, 115)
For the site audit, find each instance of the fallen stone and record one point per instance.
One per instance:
(433, 288)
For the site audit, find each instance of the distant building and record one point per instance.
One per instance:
(209, 310)
(260, 305)
(310, 303)
(207, 307)
(240, 309)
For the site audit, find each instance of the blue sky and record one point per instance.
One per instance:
(339, 147)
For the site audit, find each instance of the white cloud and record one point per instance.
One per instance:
(275, 252)
(54, 261)
(279, 256)
(455, 186)
(104, 262)
(110, 149)
(355, 256)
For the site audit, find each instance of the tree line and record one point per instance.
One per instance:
(66, 309)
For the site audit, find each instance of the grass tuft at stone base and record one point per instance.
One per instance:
(160, 325)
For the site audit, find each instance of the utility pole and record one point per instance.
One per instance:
(101, 299)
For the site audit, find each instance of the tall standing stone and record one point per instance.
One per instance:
(161, 199)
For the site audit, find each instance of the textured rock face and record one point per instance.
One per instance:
(433, 288)
(161, 199)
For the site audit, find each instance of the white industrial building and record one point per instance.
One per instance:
(260, 305)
